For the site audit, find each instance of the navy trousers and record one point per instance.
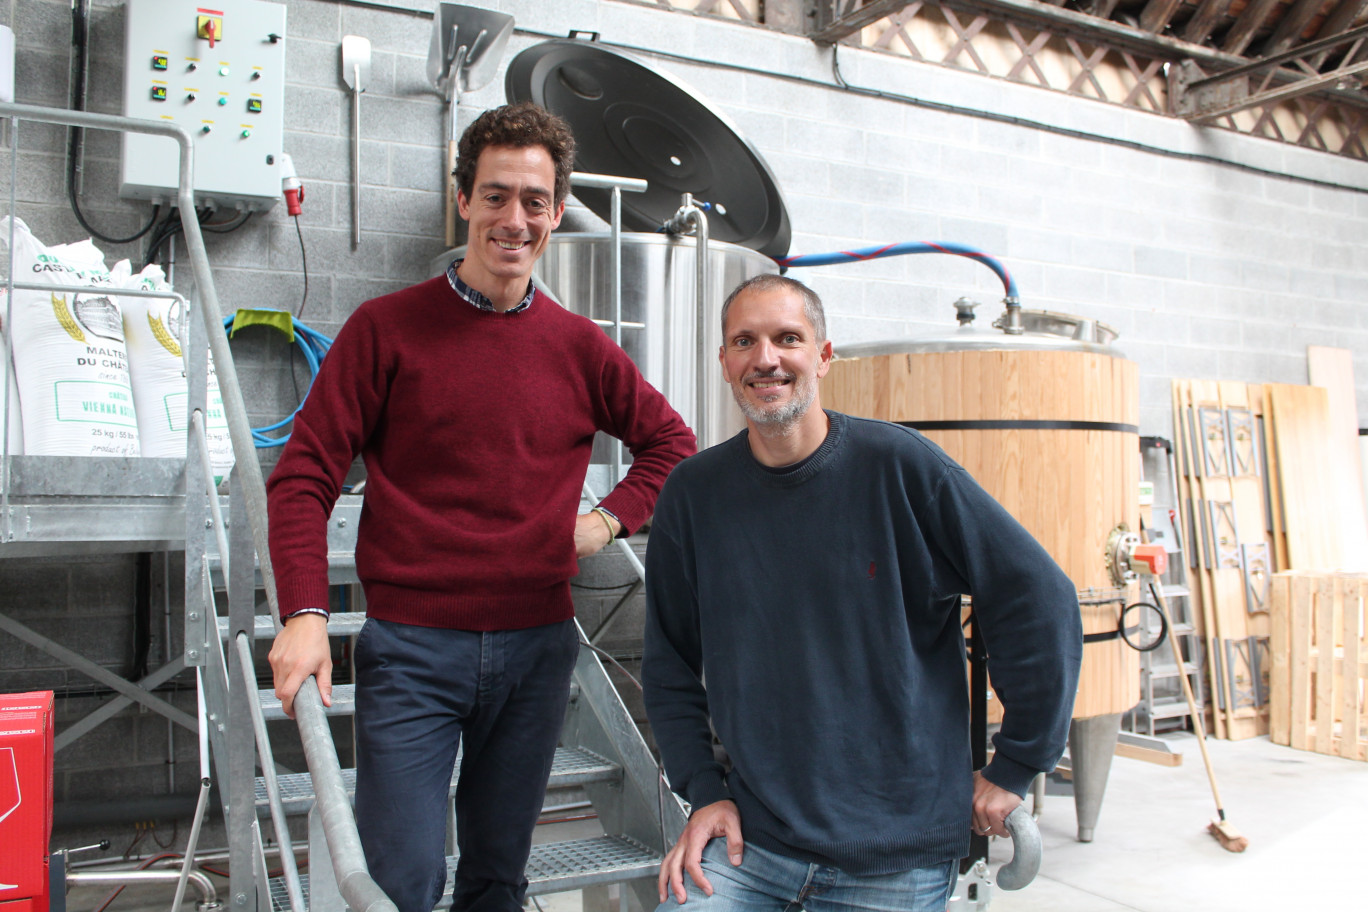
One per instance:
(420, 692)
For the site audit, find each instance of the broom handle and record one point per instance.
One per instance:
(1191, 701)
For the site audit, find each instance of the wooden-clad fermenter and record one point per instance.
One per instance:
(1047, 422)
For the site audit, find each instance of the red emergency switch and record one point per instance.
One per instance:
(209, 24)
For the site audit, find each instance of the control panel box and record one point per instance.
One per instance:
(219, 72)
(25, 798)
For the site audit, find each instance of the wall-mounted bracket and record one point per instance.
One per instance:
(1225, 539)
(1215, 448)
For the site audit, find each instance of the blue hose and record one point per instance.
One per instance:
(872, 253)
(314, 345)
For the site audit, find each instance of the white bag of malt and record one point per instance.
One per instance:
(69, 356)
(156, 332)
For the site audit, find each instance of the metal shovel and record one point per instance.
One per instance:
(356, 62)
(467, 44)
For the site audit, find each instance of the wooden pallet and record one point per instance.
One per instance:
(1319, 649)
(1223, 465)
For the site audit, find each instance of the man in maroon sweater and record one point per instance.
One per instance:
(473, 400)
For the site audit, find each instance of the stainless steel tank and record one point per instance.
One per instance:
(659, 310)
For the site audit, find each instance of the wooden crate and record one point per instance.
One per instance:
(1319, 652)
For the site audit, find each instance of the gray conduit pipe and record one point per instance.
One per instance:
(208, 895)
(690, 215)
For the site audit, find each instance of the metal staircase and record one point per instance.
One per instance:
(601, 754)
(174, 502)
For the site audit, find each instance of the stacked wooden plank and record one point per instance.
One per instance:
(1319, 650)
(1308, 500)
(1333, 369)
(1224, 508)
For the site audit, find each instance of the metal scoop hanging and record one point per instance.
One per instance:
(356, 64)
(467, 45)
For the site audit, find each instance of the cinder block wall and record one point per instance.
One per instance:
(1207, 270)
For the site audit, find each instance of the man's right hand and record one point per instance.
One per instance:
(719, 819)
(301, 649)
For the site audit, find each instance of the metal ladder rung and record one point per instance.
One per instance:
(571, 767)
(1171, 670)
(553, 867)
(1169, 709)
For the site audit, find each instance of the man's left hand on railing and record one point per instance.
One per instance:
(301, 649)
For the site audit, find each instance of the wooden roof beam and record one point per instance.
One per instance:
(1289, 28)
(1340, 19)
(1198, 28)
(1157, 14)
(1250, 21)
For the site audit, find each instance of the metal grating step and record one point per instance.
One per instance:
(571, 767)
(553, 867)
(343, 702)
(342, 623)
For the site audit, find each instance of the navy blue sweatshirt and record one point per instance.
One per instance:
(822, 604)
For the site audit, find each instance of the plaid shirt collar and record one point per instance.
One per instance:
(475, 299)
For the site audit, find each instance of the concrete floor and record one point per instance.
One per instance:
(1302, 813)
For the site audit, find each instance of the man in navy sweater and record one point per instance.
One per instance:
(810, 570)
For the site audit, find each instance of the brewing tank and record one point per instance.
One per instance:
(1047, 421)
(659, 310)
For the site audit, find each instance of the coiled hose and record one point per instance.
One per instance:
(313, 344)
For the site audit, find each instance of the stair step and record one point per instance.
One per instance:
(1172, 590)
(342, 623)
(571, 767)
(343, 702)
(553, 867)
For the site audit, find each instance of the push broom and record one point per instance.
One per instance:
(1224, 831)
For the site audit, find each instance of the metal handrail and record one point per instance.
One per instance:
(220, 528)
(344, 844)
(247, 666)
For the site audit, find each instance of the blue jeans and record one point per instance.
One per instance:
(420, 691)
(769, 882)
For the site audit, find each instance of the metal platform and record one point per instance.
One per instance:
(340, 623)
(553, 867)
(571, 767)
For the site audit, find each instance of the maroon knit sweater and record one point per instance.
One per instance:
(476, 430)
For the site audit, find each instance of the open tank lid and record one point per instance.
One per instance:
(632, 120)
(1043, 330)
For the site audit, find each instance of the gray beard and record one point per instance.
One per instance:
(783, 421)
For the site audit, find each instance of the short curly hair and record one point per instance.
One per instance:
(518, 125)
